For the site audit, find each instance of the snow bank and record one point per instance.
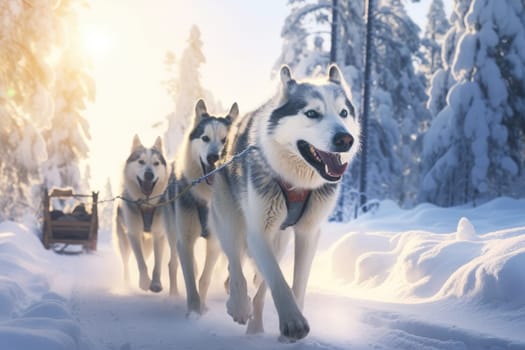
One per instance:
(428, 278)
(409, 263)
(31, 316)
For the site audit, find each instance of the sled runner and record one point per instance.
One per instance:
(78, 227)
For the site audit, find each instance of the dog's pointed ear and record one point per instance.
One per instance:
(136, 143)
(334, 74)
(158, 144)
(200, 108)
(287, 79)
(234, 112)
(286, 74)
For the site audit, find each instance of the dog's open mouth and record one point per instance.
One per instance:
(206, 169)
(327, 164)
(146, 186)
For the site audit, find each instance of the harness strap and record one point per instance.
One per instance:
(296, 200)
(189, 199)
(148, 212)
(202, 210)
(147, 217)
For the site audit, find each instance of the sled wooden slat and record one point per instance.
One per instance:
(69, 228)
(61, 192)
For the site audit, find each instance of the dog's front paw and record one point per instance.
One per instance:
(293, 327)
(155, 287)
(144, 282)
(174, 291)
(255, 326)
(240, 309)
(204, 309)
(194, 307)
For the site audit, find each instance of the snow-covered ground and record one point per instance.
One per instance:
(427, 278)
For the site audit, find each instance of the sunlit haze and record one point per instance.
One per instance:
(97, 42)
(128, 39)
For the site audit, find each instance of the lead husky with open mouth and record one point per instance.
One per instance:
(303, 140)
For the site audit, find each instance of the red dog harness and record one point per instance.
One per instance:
(296, 200)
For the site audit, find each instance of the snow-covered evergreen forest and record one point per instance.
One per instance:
(446, 121)
(45, 83)
(426, 246)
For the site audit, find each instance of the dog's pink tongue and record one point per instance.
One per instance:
(147, 187)
(209, 178)
(333, 163)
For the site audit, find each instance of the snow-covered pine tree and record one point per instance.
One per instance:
(398, 115)
(85, 179)
(437, 27)
(106, 213)
(28, 33)
(170, 84)
(68, 133)
(305, 36)
(185, 91)
(294, 36)
(442, 80)
(474, 148)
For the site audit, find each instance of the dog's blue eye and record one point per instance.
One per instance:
(223, 140)
(141, 162)
(312, 114)
(343, 113)
(205, 138)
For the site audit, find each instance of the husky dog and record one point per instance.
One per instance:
(303, 140)
(197, 156)
(142, 217)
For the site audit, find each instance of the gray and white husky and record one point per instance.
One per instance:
(199, 152)
(141, 218)
(304, 139)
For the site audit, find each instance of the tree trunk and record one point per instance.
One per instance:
(366, 103)
(333, 43)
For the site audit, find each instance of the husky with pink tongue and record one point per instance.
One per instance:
(301, 142)
(141, 217)
(196, 158)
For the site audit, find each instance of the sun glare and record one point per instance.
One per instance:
(97, 43)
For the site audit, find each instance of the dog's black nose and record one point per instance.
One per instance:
(148, 175)
(212, 158)
(342, 141)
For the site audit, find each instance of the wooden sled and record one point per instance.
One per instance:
(80, 227)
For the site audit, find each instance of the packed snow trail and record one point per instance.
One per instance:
(117, 317)
(139, 320)
(120, 318)
(428, 278)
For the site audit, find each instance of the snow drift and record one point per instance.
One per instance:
(419, 265)
(31, 315)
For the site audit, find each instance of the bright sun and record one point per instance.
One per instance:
(97, 43)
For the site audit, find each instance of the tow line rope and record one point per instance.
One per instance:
(147, 201)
